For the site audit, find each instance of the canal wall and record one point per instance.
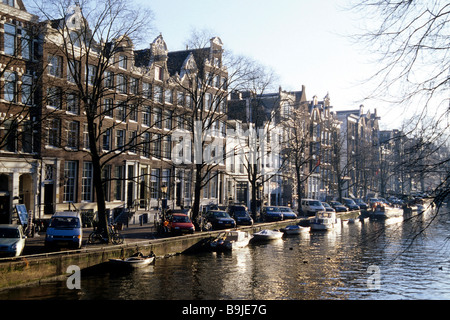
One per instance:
(34, 269)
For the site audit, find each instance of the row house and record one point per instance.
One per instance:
(19, 165)
(51, 83)
(360, 152)
(322, 122)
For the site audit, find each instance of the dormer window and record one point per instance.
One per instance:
(158, 73)
(123, 60)
(9, 2)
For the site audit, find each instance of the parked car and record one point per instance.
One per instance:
(362, 205)
(12, 240)
(339, 207)
(180, 223)
(350, 204)
(272, 214)
(242, 218)
(310, 206)
(288, 213)
(231, 209)
(219, 219)
(64, 230)
(328, 207)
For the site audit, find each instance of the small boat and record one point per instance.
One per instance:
(295, 229)
(381, 211)
(230, 239)
(265, 235)
(323, 220)
(138, 260)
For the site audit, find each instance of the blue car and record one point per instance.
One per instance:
(272, 214)
(288, 213)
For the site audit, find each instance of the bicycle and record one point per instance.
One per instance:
(97, 237)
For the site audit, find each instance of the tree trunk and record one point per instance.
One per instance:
(197, 192)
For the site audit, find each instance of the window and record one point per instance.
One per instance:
(133, 141)
(91, 75)
(108, 108)
(118, 192)
(134, 86)
(154, 184)
(168, 96)
(123, 62)
(106, 181)
(165, 180)
(27, 137)
(73, 70)
(166, 147)
(157, 117)
(187, 184)
(132, 113)
(54, 97)
(146, 145)
(120, 139)
(147, 90)
(70, 174)
(106, 145)
(11, 135)
(146, 116)
(86, 182)
(25, 45)
(10, 89)
(55, 65)
(121, 114)
(158, 97)
(109, 79)
(158, 73)
(180, 98)
(86, 137)
(168, 119)
(73, 129)
(121, 83)
(156, 146)
(10, 39)
(9, 2)
(189, 102)
(27, 89)
(73, 104)
(54, 132)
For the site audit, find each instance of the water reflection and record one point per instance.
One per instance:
(412, 257)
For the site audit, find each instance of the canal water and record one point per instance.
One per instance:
(398, 258)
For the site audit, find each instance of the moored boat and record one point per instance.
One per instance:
(381, 211)
(265, 235)
(137, 260)
(230, 239)
(323, 221)
(295, 229)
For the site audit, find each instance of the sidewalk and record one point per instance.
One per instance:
(133, 233)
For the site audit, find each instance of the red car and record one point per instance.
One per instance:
(180, 223)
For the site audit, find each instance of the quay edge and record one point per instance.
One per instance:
(32, 269)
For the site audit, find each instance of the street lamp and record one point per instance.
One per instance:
(164, 200)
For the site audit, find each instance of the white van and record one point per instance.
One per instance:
(64, 230)
(311, 206)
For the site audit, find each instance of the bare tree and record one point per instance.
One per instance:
(411, 38)
(208, 74)
(92, 37)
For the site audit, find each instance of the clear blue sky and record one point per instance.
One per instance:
(303, 41)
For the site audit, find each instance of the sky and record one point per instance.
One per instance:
(305, 42)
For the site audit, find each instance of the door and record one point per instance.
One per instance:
(49, 199)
